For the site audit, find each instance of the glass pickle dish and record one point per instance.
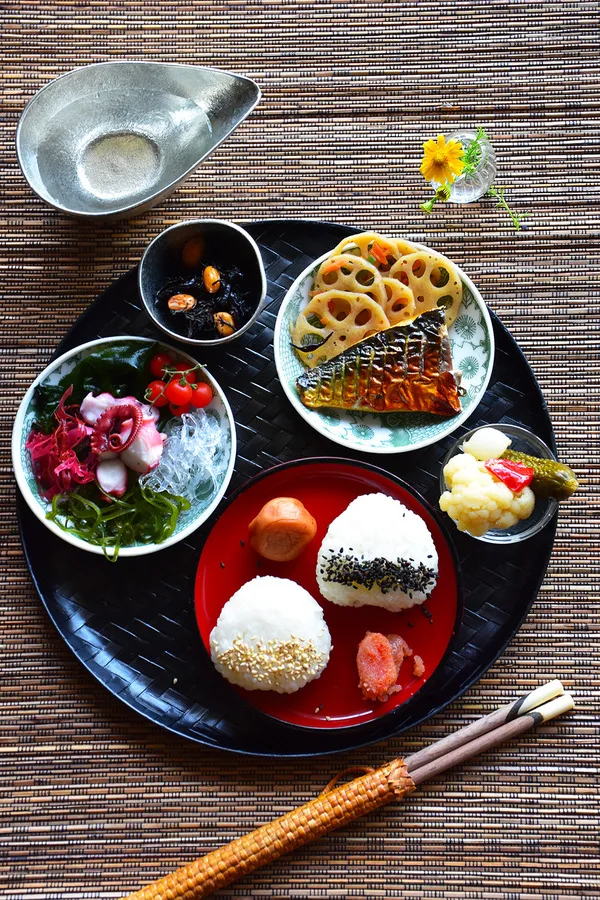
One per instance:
(524, 441)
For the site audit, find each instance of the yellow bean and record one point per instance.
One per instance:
(181, 302)
(212, 279)
(192, 252)
(224, 323)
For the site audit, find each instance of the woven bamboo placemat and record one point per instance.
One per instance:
(94, 800)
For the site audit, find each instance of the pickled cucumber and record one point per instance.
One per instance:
(551, 479)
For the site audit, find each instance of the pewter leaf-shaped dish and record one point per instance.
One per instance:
(113, 139)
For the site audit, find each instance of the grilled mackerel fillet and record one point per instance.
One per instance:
(407, 368)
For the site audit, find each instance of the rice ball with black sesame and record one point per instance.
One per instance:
(270, 636)
(377, 553)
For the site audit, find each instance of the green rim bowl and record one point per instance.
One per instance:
(189, 520)
(472, 342)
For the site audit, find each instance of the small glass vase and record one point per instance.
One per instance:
(467, 188)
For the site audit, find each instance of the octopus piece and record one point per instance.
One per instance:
(144, 452)
(123, 430)
(111, 475)
(117, 427)
(92, 407)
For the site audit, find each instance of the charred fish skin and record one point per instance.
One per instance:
(407, 368)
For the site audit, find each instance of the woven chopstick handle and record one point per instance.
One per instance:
(307, 823)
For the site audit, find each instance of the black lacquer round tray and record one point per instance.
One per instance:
(132, 623)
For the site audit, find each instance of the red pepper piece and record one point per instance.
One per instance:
(515, 475)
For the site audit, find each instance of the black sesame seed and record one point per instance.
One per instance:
(242, 543)
(389, 576)
(222, 564)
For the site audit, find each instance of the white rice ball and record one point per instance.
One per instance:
(270, 636)
(377, 553)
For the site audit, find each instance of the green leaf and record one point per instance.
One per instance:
(472, 155)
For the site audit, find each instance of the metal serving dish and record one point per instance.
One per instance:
(114, 139)
(164, 260)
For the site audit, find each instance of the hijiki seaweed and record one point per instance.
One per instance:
(199, 320)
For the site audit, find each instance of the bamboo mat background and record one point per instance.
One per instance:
(95, 801)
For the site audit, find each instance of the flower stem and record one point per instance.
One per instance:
(516, 218)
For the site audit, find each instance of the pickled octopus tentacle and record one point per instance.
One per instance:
(104, 438)
(71, 429)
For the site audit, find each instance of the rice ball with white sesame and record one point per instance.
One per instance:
(270, 636)
(377, 553)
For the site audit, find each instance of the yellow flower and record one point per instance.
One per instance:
(442, 161)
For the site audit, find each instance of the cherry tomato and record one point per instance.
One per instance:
(177, 393)
(201, 395)
(190, 376)
(180, 410)
(158, 363)
(155, 393)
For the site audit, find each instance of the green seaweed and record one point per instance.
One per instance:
(141, 516)
(121, 369)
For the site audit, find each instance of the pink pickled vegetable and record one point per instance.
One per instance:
(56, 466)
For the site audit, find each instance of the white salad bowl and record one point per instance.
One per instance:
(189, 520)
(472, 342)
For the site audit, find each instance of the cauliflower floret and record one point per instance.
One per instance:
(478, 501)
(523, 503)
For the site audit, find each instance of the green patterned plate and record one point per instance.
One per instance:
(189, 519)
(472, 341)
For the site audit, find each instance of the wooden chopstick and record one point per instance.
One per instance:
(349, 801)
(488, 740)
(485, 724)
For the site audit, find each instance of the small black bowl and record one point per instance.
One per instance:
(163, 262)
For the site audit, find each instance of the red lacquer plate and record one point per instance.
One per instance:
(326, 487)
